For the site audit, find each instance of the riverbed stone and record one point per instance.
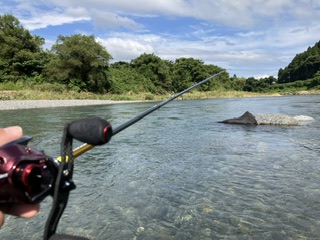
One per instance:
(275, 119)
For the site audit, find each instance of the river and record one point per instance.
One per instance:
(178, 174)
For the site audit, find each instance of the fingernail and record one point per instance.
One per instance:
(14, 130)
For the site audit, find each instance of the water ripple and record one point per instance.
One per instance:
(179, 174)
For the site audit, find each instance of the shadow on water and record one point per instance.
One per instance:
(178, 174)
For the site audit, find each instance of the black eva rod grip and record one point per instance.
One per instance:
(94, 131)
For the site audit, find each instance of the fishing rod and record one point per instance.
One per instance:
(86, 147)
(29, 176)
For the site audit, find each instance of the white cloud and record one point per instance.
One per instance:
(33, 15)
(125, 47)
(245, 14)
(76, 12)
(243, 53)
(112, 20)
(50, 19)
(249, 37)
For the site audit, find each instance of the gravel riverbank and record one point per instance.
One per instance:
(26, 104)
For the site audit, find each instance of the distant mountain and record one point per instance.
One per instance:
(303, 66)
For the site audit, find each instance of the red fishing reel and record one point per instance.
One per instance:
(26, 174)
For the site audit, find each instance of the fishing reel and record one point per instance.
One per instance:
(28, 175)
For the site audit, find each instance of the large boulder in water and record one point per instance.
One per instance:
(247, 118)
(269, 119)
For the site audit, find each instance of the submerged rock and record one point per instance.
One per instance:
(269, 119)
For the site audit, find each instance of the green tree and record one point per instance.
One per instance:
(303, 66)
(188, 71)
(20, 51)
(154, 68)
(259, 85)
(80, 62)
(181, 75)
(220, 82)
(237, 84)
(250, 84)
(124, 78)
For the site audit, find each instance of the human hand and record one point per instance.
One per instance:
(24, 210)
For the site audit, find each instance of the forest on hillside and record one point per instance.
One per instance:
(79, 63)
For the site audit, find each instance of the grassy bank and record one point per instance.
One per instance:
(52, 95)
(60, 92)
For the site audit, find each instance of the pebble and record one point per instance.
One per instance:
(140, 230)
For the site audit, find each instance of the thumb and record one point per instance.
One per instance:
(10, 134)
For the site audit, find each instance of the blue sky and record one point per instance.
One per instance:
(246, 37)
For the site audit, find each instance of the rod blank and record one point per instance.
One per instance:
(86, 147)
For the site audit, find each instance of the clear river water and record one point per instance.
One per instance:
(179, 174)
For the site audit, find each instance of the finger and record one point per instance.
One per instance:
(23, 210)
(10, 134)
(1, 219)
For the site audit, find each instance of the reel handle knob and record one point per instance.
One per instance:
(94, 131)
